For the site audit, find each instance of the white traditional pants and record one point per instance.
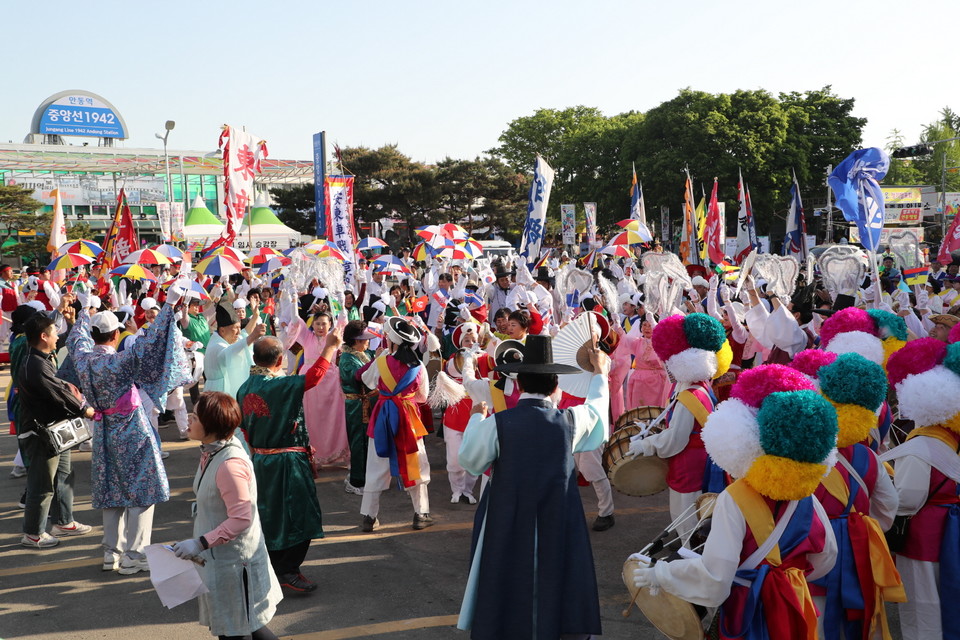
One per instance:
(920, 615)
(176, 403)
(461, 482)
(681, 504)
(126, 530)
(378, 480)
(590, 465)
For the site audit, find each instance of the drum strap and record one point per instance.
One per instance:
(760, 522)
(694, 406)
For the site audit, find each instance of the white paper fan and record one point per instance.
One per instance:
(571, 346)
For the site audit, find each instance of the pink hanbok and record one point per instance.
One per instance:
(323, 405)
(649, 385)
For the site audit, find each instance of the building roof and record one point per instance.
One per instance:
(47, 157)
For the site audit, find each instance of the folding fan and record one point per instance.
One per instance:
(571, 346)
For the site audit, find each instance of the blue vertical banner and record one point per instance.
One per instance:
(319, 175)
(534, 228)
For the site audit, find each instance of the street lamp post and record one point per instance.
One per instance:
(168, 126)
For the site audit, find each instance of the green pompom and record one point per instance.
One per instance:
(799, 425)
(889, 324)
(952, 359)
(704, 332)
(852, 379)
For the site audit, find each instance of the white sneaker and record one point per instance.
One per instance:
(18, 472)
(470, 498)
(129, 566)
(72, 529)
(43, 541)
(455, 499)
(164, 455)
(111, 561)
(349, 488)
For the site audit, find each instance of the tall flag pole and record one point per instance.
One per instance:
(746, 229)
(795, 239)
(638, 210)
(713, 234)
(534, 228)
(688, 241)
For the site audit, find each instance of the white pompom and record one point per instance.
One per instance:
(445, 392)
(732, 437)
(693, 365)
(860, 342)
(931, 397)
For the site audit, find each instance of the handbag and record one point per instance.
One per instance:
(63, 435)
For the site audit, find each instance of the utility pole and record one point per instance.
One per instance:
(829, 237)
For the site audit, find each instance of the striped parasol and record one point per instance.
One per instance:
(82, 247)
(219, 265)
(134, 272)
(175, 254)
(147, 256)
(69, 261)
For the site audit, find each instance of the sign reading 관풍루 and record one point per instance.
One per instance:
(81, 115)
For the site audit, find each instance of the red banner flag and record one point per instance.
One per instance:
(714, 231)
(951, 241)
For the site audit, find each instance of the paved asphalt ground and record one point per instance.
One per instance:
(394, 583)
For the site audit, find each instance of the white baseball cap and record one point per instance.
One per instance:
(105, 322)
(700, 281)
(148, 303)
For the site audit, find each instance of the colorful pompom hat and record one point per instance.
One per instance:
(694, 347)
(809, 362)
(856, 387)
(926, 375)
(874, 334)
(776, 432)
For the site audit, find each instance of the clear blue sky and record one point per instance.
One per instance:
(443, 78)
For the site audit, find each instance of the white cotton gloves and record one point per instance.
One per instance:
(187, 549)
(646, 577)
(176, 290)
(640, 447)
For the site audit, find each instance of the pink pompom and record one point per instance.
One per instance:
(915, 357)
(809, 361)
(849, 319)
(753, 385)
(954, 334)
(669, 338)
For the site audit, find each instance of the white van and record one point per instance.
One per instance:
(493, 249)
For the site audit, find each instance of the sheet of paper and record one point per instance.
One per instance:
(175, 580)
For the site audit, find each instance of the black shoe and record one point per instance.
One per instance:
(369, 524)
(602, 523)
(297, 583)
(422, 521)
(23, 501)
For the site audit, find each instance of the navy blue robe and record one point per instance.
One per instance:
(536, 576)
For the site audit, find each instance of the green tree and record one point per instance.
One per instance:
(18, 212)
(296, 207)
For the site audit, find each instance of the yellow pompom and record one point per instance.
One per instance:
(724, 359)
(953, 423)
(784, 479)
(891, 346)
(854, 423)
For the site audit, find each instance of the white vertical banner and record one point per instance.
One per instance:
(534, 229)
(590, 216)
(339, 202)
(242, 155)
(163, 215)
(568, 223)
(176, 222)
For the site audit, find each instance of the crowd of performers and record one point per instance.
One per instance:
(782, 407)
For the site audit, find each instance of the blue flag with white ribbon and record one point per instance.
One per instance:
(856, 185)
(535, 226)
(795, 240)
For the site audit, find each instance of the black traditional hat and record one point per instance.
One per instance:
(537, 358)
(399, 331)
(226, 315)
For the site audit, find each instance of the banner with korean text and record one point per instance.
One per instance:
(338, 196)
(568, 223)
(534, 228)
(242, 155)
(590, 216)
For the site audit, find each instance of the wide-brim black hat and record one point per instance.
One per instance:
(537, 358)
(399, 331)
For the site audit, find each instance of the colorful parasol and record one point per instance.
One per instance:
(69, 261)
(423, 251)
(370, 244)
(175, 254)
(134, 272)
(627, 237)
(219, 265)
(82, 247)
(230, 252)
(618, 250)
(273, 264)
(147, 256)
(262, 255)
